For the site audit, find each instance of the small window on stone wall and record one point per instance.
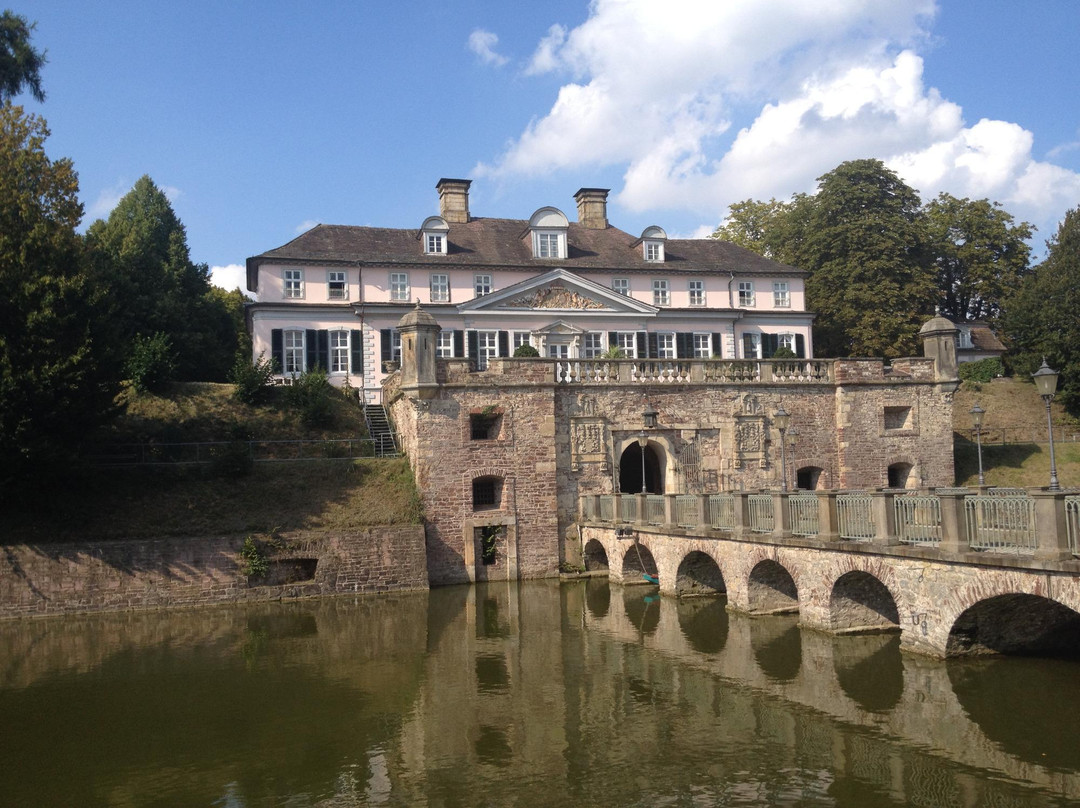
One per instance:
(486, 493)
(898, 418)
(485, 425)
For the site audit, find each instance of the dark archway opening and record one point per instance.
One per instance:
(630, 468)
(699, 575)
(1020, 625)
(636, 561)
(899, 475)
(808, 478)
(860, 602)
(772, 590)
(595, 556)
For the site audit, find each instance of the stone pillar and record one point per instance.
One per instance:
(828, 524)
(954, 536)
(781, 515)
(671, 511)
(884, 514)
(1051, 531)
(742, 513)
(642, 509)
(700, 502)
(616, 506)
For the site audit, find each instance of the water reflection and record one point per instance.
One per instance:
(505, 694)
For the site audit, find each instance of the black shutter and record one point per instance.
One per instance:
(322, 355)
(654, 346)
(504, 343)
(612, 339)
(642, 345)
(459, 344)
(800, 346)
(769, 344)
(277, 349)
(684, 345)
(717, 344)
(311, 349)
(474, 346)
(356, 348)
(387, 345)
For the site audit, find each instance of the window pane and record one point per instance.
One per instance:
(591, 345)
(621, 285)
(339, 351)
(781, 298)
(697, 293)
(440, 288)
(665, 344)
(482, 284)
(445, 347)
(399, 286)
(702, 346)
(628, 343)
(294, 352)
(660, 292)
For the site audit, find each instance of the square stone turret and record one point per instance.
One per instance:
(419, 338)
(939, 343)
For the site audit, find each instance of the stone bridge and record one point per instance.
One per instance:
(944, 597)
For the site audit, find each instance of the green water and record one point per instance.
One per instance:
(517, 695)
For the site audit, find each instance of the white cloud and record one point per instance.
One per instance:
(653, 87)
(229, 277)
(306, 225)
(107, 199)
(483, 43)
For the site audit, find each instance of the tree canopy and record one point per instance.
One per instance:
(20, 64)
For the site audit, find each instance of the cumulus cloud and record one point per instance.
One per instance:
(229, 277)
(483, 43)
(107, 199)
(707, 103)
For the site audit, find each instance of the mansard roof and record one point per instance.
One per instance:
(502, 243)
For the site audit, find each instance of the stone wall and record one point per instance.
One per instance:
(97, 576)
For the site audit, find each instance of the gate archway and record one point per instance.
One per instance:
(631, 466)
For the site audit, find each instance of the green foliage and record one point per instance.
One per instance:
(489, 538)
(56, 380)
(252, 379)
(20, 64)
(1042, 321)
(310, 395)
(783, 352)
(984, 370)
(751, 223)
(526, 351)
(254, 562)
(151, 364)
(613, 352)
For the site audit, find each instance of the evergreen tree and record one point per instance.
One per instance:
(20, 64)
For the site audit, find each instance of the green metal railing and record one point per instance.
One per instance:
(1002, 523)
(855, 516)
(655, 512)
(803, 513)
(721, 511)
(918, 519)
(761, 513)
(1072, 522)
(686, 510)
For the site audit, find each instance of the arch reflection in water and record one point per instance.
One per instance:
(870, 670)
(772, 589)
(1016, 624)
(642, 607)
(704, 623)
(777, 645)
(598, 597)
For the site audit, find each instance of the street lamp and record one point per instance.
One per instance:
(642, 442)
(791, 437)
(781, 419)
(1046, 383)
(977, 414)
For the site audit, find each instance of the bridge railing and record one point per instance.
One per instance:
(952, 521)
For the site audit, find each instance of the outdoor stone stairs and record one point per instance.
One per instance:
(378, 426)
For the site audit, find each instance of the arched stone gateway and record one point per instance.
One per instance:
(1016, 624)
(595, 556)
(699, 575)
(630, 469)
(638, 560)
(771, 589)
(860, 602)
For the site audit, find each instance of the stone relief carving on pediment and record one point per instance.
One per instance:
(555, 296)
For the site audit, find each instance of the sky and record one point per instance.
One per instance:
(262, 119)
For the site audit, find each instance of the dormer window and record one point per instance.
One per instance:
(652, 241)
(548, 228)
(433, 235)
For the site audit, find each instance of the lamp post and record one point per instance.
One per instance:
(791, 436)
(781, 419)
(648, 418)
(1046, 383)
(977, 414)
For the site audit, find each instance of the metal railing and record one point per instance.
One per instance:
(761, 513)
(1001, 523)
(918, 519)
(803, 513)
(855, 516)
(628, 508)
(686, 510)
(655, 510)
(607, 509)
(1072, 522)
(721, 511)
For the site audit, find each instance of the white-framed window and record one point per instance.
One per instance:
(395, 345)
(963, 338)
(702, 346)
(520, 338)
(294, 283)
(627, 341)
(482, 284)
(293, 358)
(665, 346)
(487, 344)
(697, 293)
(592, 345)
(336, 287)
(435, 243)
(751, 346)
(399, 286)
(549, 245)
(781, 297)
(661, 292)
(621, 285)
(440, 288)
(746, 293)
(339, 351)
(786, 341)
(444, 349)
(654, 251)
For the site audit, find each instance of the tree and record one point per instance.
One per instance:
(20, 64)
(752, 224)
(56, 379)
(1042, 320)
(141, 252)
(979, 254)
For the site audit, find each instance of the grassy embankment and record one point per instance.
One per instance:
(1014, 412)
(155, 501)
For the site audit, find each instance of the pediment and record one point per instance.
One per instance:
(557, 290)
(560, 328)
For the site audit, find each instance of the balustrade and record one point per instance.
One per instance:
(692, 371)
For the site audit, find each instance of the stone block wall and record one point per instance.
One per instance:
(99, 576)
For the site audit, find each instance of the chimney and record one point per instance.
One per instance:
(592, 208)
(454, 200)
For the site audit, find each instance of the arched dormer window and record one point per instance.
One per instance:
(434, 233)
(652, 244)
(547, 229)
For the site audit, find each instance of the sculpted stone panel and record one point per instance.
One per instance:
(555, 296)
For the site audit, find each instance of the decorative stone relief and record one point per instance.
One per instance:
(750, 436)
(555, 296)
(588, 435)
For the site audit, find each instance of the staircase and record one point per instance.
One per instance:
(378, 427)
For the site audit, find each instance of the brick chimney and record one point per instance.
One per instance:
(454, 200)
(592, 208)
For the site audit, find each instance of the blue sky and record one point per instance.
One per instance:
(263, 118)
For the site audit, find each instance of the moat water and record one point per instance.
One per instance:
(533, 694)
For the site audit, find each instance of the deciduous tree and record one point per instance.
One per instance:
(20, 64)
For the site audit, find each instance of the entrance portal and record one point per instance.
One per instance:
(630, 469)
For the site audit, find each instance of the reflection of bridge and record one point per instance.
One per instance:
(954, 572)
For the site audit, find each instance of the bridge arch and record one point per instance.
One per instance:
(771, 589)
(595, 556)
(638, 560)
(699, 574)
(860, 601)
(1016, 623)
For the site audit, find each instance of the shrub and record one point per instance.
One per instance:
(252, 380)
(310, 394)
(613, 352)
(151, 364)
(783, 352)
(985, 370)
(255, 563)
(526, 351)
